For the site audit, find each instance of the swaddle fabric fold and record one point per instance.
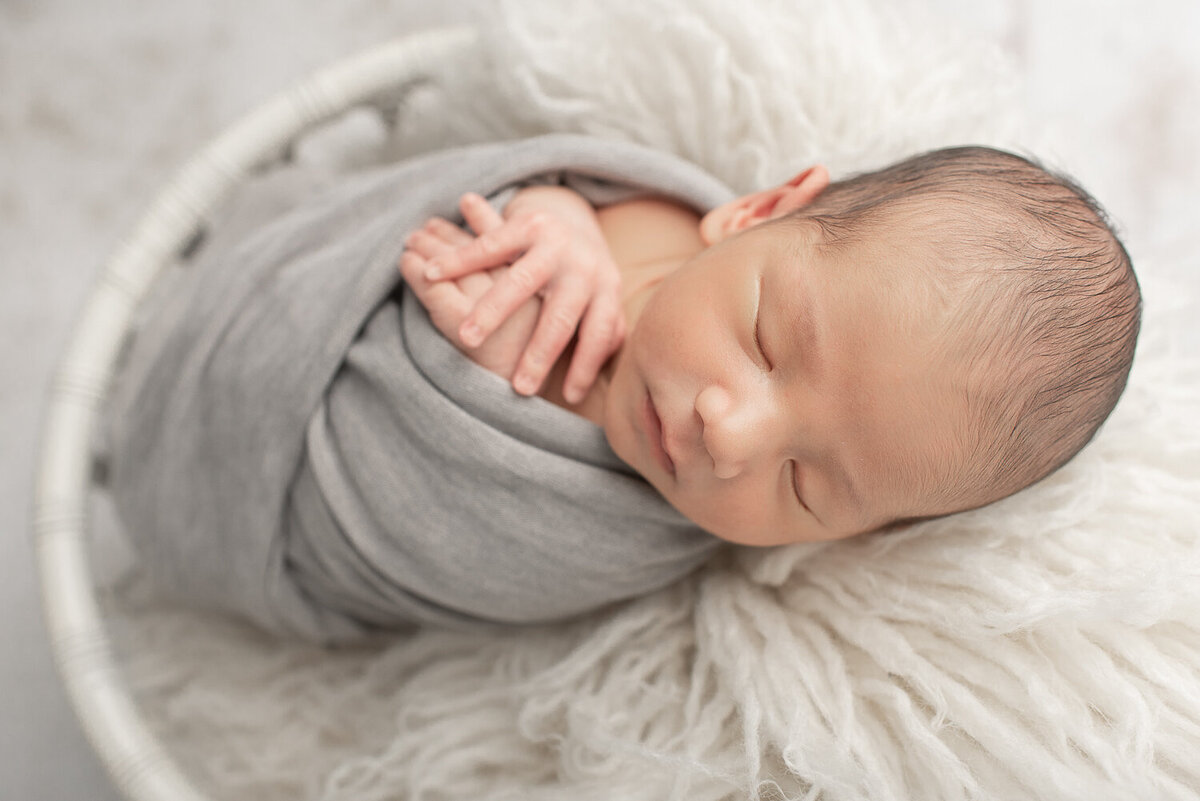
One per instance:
(290, 439)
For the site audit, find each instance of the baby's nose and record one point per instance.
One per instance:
(733, 430)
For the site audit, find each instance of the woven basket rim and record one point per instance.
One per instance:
(140, 765)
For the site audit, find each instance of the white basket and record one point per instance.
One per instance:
(137, 761)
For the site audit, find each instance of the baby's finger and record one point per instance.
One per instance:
(479, 214)
(412, 268)
(428, 245)
(600, 335)
(492, 249)
(448, 232)
(512, 288)
(445, 301)
(560, 315)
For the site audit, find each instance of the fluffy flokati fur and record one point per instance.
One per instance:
(1045, 647)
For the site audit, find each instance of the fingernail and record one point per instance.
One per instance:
(525, 384)
(433, 272)
(472, 335)
(573, 394)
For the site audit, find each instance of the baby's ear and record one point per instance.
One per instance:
(750, 210)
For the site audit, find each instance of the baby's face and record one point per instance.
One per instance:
(773, 393)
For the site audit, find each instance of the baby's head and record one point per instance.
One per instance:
(908, 343)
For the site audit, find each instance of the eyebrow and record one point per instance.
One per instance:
(803, 335)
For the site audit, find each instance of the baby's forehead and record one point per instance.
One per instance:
(893, 284)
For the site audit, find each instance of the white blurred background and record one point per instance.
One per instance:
(100, 101)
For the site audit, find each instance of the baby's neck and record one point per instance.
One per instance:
(649, 238)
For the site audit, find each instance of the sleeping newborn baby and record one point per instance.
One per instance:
(305, 436)
(813, 361)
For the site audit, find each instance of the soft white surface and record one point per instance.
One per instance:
(99, 102)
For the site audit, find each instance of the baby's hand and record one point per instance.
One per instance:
(567, 263)
(448, 302)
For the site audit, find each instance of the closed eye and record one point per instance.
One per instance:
(757, 324)
(796, 487)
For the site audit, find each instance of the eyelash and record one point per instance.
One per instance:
(757, 339)
(796, 490)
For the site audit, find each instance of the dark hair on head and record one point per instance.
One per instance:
(1050, 308)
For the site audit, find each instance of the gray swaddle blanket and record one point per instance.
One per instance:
(289, 437)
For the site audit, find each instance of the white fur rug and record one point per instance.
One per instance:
(1046, 647)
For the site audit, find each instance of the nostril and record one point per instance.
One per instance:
(721, 448)
(712, 406)
(706, 439)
